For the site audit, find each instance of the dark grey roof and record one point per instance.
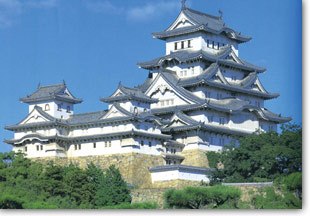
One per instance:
(180, 167)
(203, 22)
(171, 78)
(86, 117)
(183, 56)
(51, 92)
(193, 125)
(173, 156)
(213, 69)
(131, 133)
(129, 94)
(270, 116)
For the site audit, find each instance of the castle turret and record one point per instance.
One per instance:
(56, 100)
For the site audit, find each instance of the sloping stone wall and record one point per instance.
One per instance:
(132, 166)
(195, 157)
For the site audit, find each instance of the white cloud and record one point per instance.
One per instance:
(152, 10)
(103, 7)
(139, 13)
(10, 10)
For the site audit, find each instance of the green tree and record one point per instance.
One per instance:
(112, 189)
(261, 157)
(203, 197)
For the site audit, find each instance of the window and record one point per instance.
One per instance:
(189, 43)
(79, 146)
(210, 119)
(94, 145)
(41, 147)
(150, 144)
(171, 101)
(162, 103)
(145, 110)
(37, 148)
(182, 44)
(47, 107)
(142, 143)
(167, 102)
(135, 110)
(75, 147)
(222, 141)
(175, 46)
(106, 144)
(167, 150)
(218, 45)
(208, 94)
(211, 140)
(58, 107)
(68, 109)
(222, 120)
(213, 44)
(25, 148)
(208, 43)
(110, 143)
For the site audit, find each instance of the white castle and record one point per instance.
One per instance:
(198, 97)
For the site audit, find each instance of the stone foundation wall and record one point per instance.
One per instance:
(195, 157)
(149, 195)
(132, 166)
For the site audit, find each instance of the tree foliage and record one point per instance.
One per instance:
(262, 157)
(203, 197)
(28, 184)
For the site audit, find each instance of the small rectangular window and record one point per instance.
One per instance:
(110, 143)
(37, 148)
(210, 119)
(41, 147)
(75, 147)
(208, 43)
(218, 45)
(182, 44)
(213, 44)
(142, 143)
(79, 146)
(175, 46)
(150, 144)
(94, 145)
(189, 43)
(25, 149)
(106, 144)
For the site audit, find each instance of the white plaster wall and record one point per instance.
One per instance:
(217, 38)
(196, 42)
(176, 174)
(62, 113)
(192, 69)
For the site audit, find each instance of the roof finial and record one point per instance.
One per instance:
(221, 13)
(183, 2)
(39, 85)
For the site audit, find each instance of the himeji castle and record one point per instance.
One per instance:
(198, 97)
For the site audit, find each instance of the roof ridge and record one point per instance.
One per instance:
(203, 14)
(86, 113)
(52, 85)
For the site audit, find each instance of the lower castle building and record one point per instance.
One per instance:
(198, 97)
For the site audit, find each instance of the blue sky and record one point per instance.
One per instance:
(94, 44)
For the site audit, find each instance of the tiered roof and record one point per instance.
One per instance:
(123, 93)
(224, 57)
(202, 22)
(51, 92)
